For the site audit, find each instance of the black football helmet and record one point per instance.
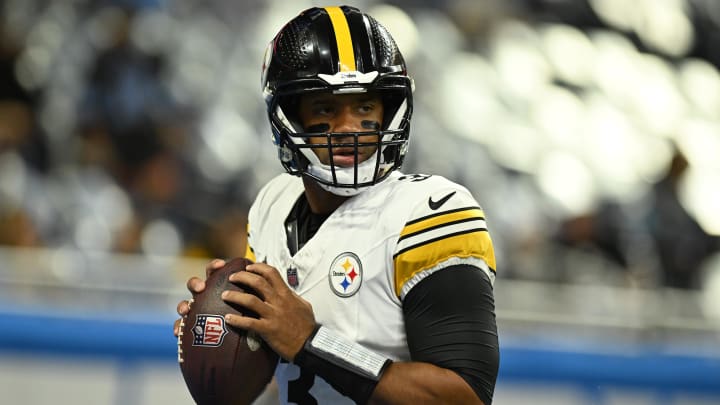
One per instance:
(339, 50)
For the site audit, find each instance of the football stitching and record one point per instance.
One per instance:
(180, 332)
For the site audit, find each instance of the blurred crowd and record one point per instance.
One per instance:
(138, 127)
(117, 177)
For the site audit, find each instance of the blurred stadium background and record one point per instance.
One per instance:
(133, 138)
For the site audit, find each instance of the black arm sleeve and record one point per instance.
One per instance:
(450, 322)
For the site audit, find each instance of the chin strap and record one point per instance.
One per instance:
(344, 175)
(343, 191)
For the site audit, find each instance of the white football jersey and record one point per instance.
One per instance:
(365, 258)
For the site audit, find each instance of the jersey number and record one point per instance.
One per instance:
(415, 177)
(299, 389)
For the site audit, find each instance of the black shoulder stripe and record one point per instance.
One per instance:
(437, 214)
(459, 221)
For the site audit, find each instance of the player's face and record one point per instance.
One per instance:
(325, 112)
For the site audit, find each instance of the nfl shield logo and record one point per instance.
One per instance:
(292, 277)
(209, 330)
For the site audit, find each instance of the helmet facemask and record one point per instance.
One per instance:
(298, 146)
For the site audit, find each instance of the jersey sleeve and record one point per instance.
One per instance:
(446, 227)
(256, 219)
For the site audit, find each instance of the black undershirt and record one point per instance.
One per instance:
(302, 224)
(449, 316)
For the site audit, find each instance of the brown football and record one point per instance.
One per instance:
(221, 364)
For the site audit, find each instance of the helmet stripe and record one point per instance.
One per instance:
(343, 39)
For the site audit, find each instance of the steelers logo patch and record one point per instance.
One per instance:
(345, 274)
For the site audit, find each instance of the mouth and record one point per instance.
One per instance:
(344, 157)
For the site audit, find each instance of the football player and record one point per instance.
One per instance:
(374, 286)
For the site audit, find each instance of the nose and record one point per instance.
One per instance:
(345, 121)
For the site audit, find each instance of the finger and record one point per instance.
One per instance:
(183, 307)
(254, 281)
(195, 285)
(247, 301)
(269, 273)
(212, 266)
(244, 322)
(176, 327)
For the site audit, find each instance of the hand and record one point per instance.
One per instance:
(195, 286)
(285, 320)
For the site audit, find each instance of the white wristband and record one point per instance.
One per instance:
(347, 354)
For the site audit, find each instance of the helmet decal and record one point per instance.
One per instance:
(343, 39)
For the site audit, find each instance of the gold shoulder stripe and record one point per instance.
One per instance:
(439, 219)
(426, 255)
(346, 54)
(439, 238)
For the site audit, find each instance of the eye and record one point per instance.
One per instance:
(366, 108)
(323, 110)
